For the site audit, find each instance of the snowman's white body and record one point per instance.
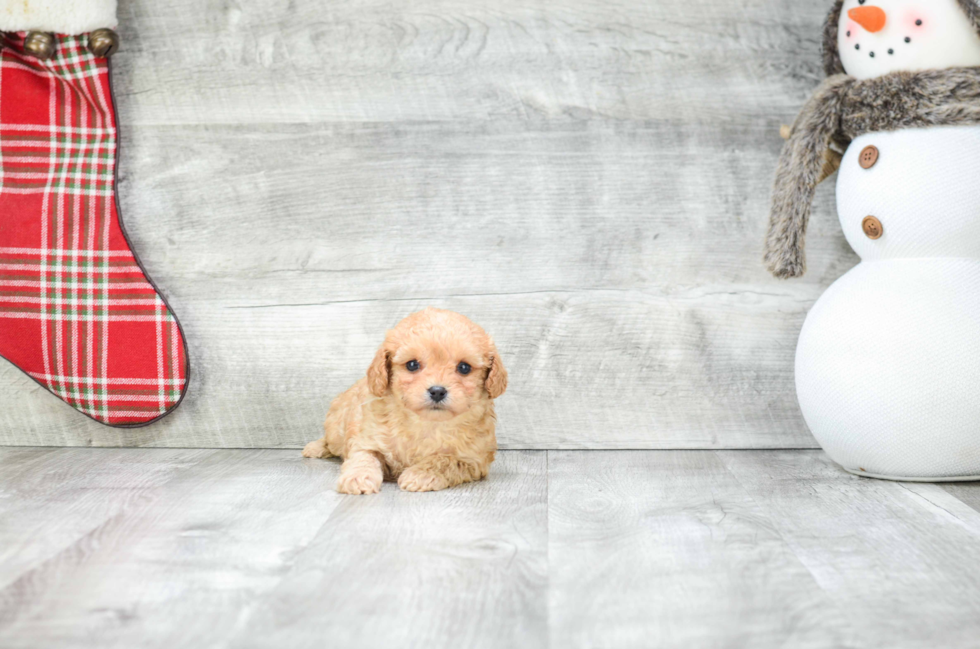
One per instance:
(888, 362)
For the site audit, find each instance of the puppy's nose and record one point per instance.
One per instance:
(437, 393)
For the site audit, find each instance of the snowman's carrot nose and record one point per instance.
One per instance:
(871, 18)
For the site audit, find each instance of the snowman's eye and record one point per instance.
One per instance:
(861, 2)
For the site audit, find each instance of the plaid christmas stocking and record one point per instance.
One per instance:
(77, 312)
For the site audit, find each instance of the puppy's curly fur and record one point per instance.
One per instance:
(388, 425)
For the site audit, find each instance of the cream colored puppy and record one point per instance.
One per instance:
(424, 414)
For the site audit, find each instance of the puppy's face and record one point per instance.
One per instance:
(438, 364)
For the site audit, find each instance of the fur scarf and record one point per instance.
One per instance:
(842, 109)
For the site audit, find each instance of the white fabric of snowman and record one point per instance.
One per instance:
(888, 361)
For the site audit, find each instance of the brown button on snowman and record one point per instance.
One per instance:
(901, 110)
(868, 157)
(872, 227)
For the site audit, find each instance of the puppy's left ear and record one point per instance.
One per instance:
(496, 382)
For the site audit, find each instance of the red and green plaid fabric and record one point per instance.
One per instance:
(77, 312)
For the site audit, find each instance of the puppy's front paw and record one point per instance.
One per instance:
(359, 482)
(417, 480)
(316, 449)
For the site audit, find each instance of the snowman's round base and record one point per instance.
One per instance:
(865, 474)
(886, 369)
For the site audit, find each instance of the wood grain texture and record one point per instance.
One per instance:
(588, 180)
(182, 564)
(966, 492)
(899, 560)
(51, 500)
(425, 60)
(466, 567)
(122, 548)
(667, 549)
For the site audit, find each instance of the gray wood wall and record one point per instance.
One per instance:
(588, 179)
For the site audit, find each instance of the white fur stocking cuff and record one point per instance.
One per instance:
(59, 16)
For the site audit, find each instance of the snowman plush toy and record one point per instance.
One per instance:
(888, 361)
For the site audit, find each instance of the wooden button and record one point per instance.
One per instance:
(868, 157)
(872, 227)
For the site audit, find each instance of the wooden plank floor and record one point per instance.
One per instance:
(253, 548)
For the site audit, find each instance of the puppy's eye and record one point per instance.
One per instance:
(412, 366)
(464, 368)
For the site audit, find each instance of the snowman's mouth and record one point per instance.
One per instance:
(879, 52)
(881, 46)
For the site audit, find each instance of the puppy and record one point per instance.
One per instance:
(424, 414)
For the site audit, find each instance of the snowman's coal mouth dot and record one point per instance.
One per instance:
(858, 46)
(908, 39)
(872, 55)
(891, 51)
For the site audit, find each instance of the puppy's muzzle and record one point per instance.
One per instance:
(438, 394)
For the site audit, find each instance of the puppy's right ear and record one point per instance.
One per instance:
(379, 373)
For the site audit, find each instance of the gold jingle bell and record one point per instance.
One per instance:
(103, 42)
(40, 45)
